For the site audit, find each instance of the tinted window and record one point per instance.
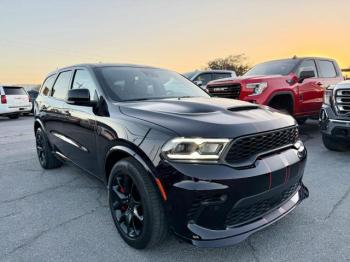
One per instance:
(60, 89)
(307, 65)
(131, 83)
(221, 75)
(205, 78)
(327, 69)
(14, 91)
(47, 85)
(189, 75)
(83, 79)
(280, 67)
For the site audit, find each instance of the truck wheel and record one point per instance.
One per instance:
(334, 144)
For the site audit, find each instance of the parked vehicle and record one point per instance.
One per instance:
(212, 170)
(201, 78)
(14, 101)
(295, 85)
(33, 94)
(335, 117)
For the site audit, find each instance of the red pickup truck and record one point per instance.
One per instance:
(293, 85)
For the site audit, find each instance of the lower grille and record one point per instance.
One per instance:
(342, 101)
(246, 147)
(227, 91)
(243, 214)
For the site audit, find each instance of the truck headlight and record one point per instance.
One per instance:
(327, 97)
(258, 88)
(194, 148)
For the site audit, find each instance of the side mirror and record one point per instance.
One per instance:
(79, 97)
(198, 83)
(305, 75)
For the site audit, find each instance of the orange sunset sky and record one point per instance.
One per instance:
(37, 37)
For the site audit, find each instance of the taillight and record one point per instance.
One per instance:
(30, 99)
(3, 99)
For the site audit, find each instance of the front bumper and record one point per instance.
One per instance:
(232, 236)
(218, 205)
(333, 125)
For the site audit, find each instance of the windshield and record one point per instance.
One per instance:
(281, 67)
(189, 75)
(137, 83)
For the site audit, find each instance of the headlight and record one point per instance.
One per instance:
(194, 148)
(327, 98)
(258, 88)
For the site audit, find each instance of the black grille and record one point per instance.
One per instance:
(226, 91)
(244, 214)
(246, 147)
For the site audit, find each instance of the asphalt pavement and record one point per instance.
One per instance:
(62, 214)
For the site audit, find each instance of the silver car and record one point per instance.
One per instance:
(201, 78)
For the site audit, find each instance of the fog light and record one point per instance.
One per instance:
(299, 145)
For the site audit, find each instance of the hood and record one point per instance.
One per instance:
(208, 117)
(247, 79)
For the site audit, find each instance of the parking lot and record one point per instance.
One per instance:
(62, 215)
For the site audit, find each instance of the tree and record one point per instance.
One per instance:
(237, 63)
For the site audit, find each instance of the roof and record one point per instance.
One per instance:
(96, 65)
(211, 71)
(301, 58)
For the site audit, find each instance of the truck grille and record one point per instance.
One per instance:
(246, 147)
(246, 213)
(227, 91)
(342, 101)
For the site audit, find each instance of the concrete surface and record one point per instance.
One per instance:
(61, 215)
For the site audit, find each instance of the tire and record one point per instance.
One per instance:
(334, 144)
(15, 116)
(136, 205)
(46, 158)
(301, 121)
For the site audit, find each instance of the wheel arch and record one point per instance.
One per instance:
(123, 150)
(37, 124)
(284, 93)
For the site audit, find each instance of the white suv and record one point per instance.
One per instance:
(14, 100)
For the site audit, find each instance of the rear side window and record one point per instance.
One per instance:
(14, 91)
(327, 69)
(307, 65)
(61, 86)
(47, 85)
(83, 79)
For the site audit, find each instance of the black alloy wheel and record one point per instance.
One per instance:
(40, 144)
(46, 158)
(136, 205)
(127, 205)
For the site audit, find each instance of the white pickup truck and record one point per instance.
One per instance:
(14, 101)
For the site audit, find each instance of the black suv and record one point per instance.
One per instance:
(335, 117)
(212, 170)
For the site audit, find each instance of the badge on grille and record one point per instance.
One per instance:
(220, 89)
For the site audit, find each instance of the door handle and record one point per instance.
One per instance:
(319, 84)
